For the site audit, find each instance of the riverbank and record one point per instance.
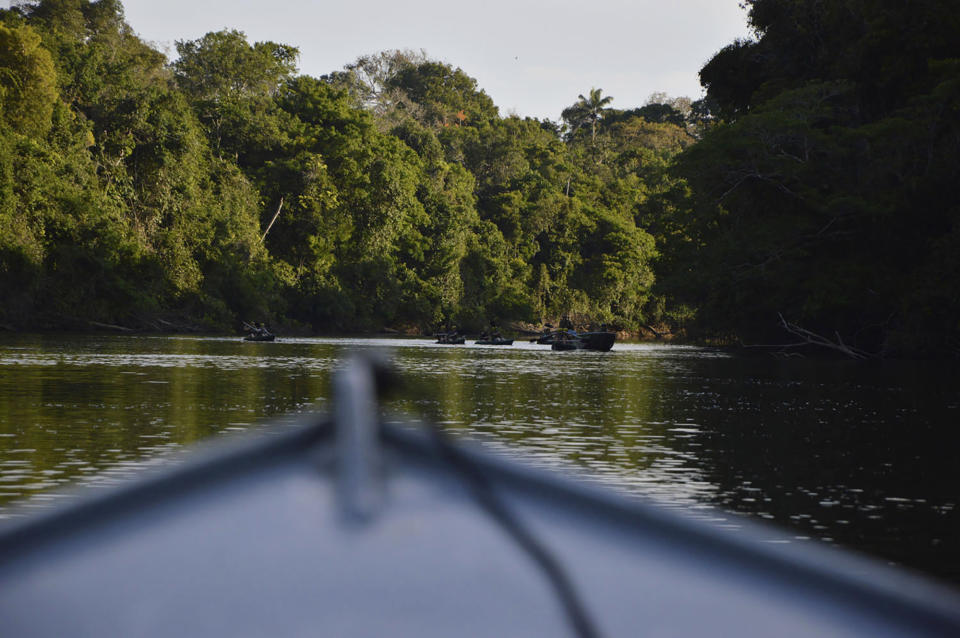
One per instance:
(900, 346)
(179, 325)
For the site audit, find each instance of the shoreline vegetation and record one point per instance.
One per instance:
(520, 330)
(808, 202)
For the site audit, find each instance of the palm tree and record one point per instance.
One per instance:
(587, 110)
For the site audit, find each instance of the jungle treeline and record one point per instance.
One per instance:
(813, 189)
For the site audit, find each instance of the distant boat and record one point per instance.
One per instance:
(599, 341)
(359, 525)
(451, 338)
(566, 344)
(257, 332)
(493, 341)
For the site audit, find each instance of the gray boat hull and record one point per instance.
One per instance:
(251, 538)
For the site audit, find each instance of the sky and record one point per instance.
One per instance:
(532, 57)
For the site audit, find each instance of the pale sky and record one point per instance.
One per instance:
(532, 57)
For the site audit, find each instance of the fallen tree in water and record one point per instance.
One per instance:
(810, 338)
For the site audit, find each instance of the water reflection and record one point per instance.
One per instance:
(832, 449)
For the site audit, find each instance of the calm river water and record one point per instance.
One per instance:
(852, 454)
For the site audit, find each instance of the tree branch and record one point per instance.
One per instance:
(270, 225)
(813, 338)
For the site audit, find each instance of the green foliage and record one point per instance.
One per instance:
(232, 85)
(817, 178)
(444, 96)
(224, 186)
(114, 209)
(829, 195)
(28, 91)
(586, 113)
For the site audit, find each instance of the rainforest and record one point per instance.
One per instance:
(811, 196)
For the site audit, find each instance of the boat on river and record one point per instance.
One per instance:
(566, 344)
(451, 338)
(495, 340)
(257, 332)
(599, 341)
(260, 337)
(358, 524)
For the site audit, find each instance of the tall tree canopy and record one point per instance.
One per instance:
(831, 194)
(113, 208)
(587, 112)
(816, 180)
(232, 85)
(28, 81)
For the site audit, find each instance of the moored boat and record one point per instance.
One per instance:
(602, 341)
(257, 332)
(599, 341)
(493, 341)
(354, 524)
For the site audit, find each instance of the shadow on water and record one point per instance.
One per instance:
(854, 454)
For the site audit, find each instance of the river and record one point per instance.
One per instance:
(855, 454)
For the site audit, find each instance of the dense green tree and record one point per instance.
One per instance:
(369, 80)
(224, 186)
(28, 90)
(115, 208)
(830, 194)
(445, 96)
(232, 85)
(352, 231)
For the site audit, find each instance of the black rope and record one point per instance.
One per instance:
(486, 497)
(388, 382)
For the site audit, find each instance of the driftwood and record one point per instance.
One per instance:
(810, 338)
(656, 334)
(813, 338)
(110, 326)
(162, 325)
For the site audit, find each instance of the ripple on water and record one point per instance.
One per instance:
(835, 451)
